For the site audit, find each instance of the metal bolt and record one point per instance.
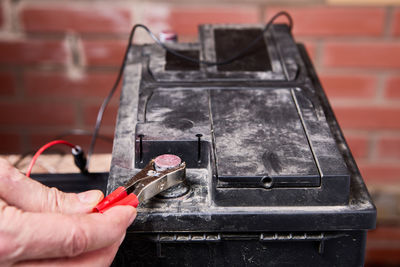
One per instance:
(166, 161)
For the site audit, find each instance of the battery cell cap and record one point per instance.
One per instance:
(166, 161)
(168, 36)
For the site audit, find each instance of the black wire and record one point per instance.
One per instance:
(109, 96)
(61, 136)
(231, 59)
(208, 63)
(82, 132)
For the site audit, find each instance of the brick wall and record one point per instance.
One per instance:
(58, 59)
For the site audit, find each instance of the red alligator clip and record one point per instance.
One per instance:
(159, 174)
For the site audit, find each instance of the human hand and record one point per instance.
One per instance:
(43, 226)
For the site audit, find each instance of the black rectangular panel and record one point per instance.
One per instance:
(174, 62)
(229, 41)
(258, 134)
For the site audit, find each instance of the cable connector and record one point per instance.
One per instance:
(79, 158)
(77, 152)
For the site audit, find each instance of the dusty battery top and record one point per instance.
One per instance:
(266, 159)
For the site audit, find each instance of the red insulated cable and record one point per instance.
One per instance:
(42, 149)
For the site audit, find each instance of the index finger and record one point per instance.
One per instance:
(27, 194)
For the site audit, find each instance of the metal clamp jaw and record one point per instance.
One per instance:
(149, 182)
(159, 174)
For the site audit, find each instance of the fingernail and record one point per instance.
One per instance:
(89, 197)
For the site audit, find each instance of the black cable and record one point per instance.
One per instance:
(61, 136)
(109, 96)
(82, 132)
(231, 59)
(208, 63)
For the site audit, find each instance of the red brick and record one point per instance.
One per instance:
(368, 117)
(185, 20)
(311, 48)
(7, 81)
(392, 88)
(96, 18)
(389, 146)
(104, 52)
(349, 86)
(103, 142)
(36, 114)
(384, 233)
(387, 256)
(365, 54)
(396, 22)
(358, 144)
(10, 143)
(109, 117)
(380, 172)
(95, 84)
(22, 52)
(1, 15)
(334, 21)
(381, 249)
